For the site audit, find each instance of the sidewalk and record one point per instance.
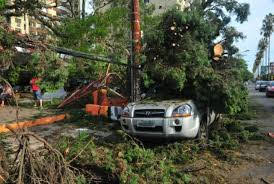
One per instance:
(8, 113)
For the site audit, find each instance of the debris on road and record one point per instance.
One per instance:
(95, 133)
(31, 123)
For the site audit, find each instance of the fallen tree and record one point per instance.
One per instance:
(179, 61)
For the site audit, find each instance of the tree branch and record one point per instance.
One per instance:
(50, 25)
(206, 4)
(104, 5)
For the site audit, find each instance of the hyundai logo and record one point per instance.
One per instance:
(148, 113)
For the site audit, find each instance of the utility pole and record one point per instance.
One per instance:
(259, 70)
(265, 64)
(136, 41)
(83, 12)
(268, 64)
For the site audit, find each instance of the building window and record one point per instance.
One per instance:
(146, 1)
(32, 24)
(18, 22)
(18, 30)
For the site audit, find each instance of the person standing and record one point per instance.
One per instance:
(36, 92)
(5, 94)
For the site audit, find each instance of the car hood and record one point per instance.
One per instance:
(150, 104)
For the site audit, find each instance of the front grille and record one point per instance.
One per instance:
(149, 129)
(178, 128)
(149, 113)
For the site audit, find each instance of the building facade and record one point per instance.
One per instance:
(162, 6)
(26, 24)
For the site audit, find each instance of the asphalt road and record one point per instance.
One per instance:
(264, 108)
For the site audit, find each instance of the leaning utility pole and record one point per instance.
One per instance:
(136, 43)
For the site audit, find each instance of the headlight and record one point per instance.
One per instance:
(182, 111)
(125, 112)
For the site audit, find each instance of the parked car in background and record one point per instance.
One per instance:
(257, 85)
(263, 86)
(270, 89)
(165, 119)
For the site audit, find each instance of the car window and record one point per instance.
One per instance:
(271, 83)
(263, 83)
(258, 82)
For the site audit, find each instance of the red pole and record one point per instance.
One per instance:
(136, 29)
(136, 34)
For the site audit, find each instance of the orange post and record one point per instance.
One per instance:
(103, 99)
(97, 110)
(31, 123)
(95, 97)
(92, 109)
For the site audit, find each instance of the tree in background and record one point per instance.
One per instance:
(264, 44)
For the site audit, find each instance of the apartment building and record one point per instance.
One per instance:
(26, 24)
(69, 9)
(162, 6)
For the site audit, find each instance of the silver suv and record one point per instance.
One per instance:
(172, 118)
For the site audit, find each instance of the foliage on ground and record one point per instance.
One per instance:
(134, 161)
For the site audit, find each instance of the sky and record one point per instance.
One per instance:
(89, 7)
(251, 29)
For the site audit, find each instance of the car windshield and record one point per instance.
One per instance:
(264, 83)
(258, 82)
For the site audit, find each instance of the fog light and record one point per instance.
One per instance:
(177, 122)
